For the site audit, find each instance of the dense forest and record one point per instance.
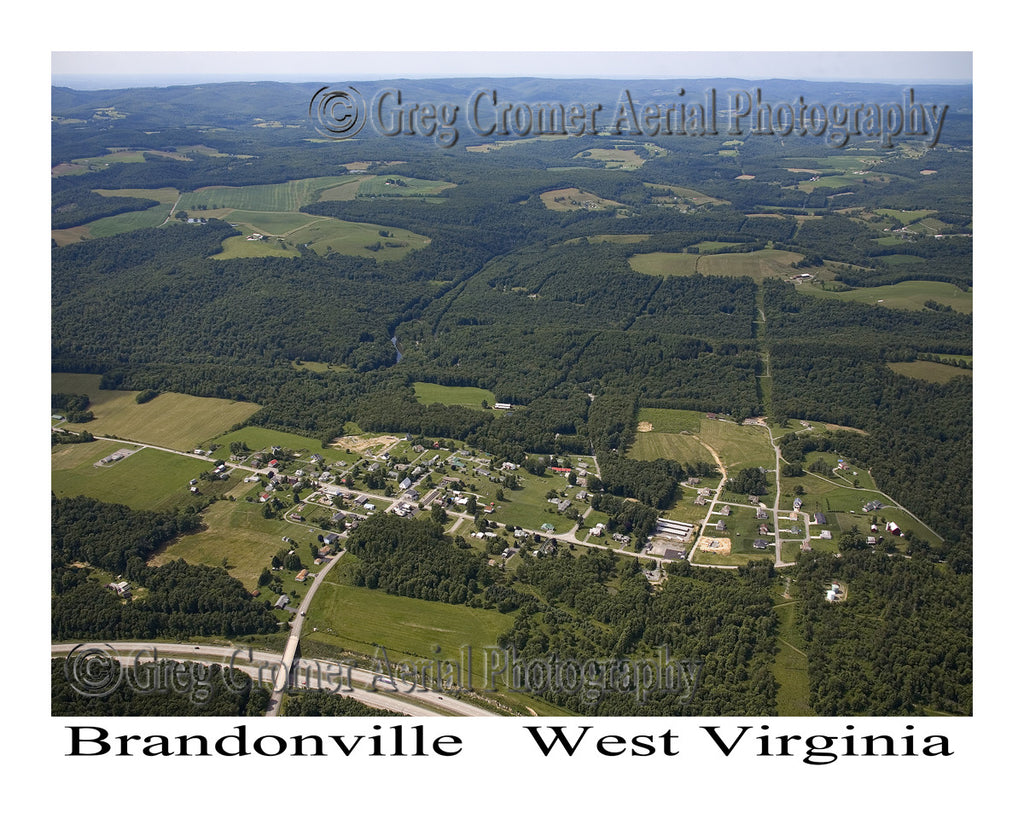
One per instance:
(181, 600)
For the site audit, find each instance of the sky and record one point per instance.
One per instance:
(98, 69)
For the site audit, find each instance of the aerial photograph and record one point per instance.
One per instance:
(426, 391)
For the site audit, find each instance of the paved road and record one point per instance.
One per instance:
(360, 684)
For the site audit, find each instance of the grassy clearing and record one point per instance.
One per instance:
(411, 629)
(575, 199)
(612, 238)
(910, 295)
(171, 419)
(904, 217)
(394, 185)
(759, 265)
(844, 161)
(670, 420)
(427, 393)
(650, 446)
(284, 196)
(684, 195)
(165, 196)
(126, 222)
(738, 446)
(149, 479)
(357, 239)
(614, 159)
(319, 366)
(664, 263)
(929, 371)
(239, 247)
(528, 507)
(790, 667)
(236, 531)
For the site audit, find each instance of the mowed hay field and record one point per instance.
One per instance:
(171, 419)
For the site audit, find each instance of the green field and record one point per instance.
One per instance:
(670, 420)
(125, 222)
(148, 479)
(171, 419)
(650, 446)
(236, 531)
(427, 393)
(273, 210)
(910, 295)
(929, 371)
(790, 668)
(357, 239)
(687, 195)
(239, 247)
(394, 185)
(664, 263)
(758, 265)
(904, 217)
(407, 627)
(284, 196)
(165, 196)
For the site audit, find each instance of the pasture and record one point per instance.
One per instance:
(683, 195)
(171, 419)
